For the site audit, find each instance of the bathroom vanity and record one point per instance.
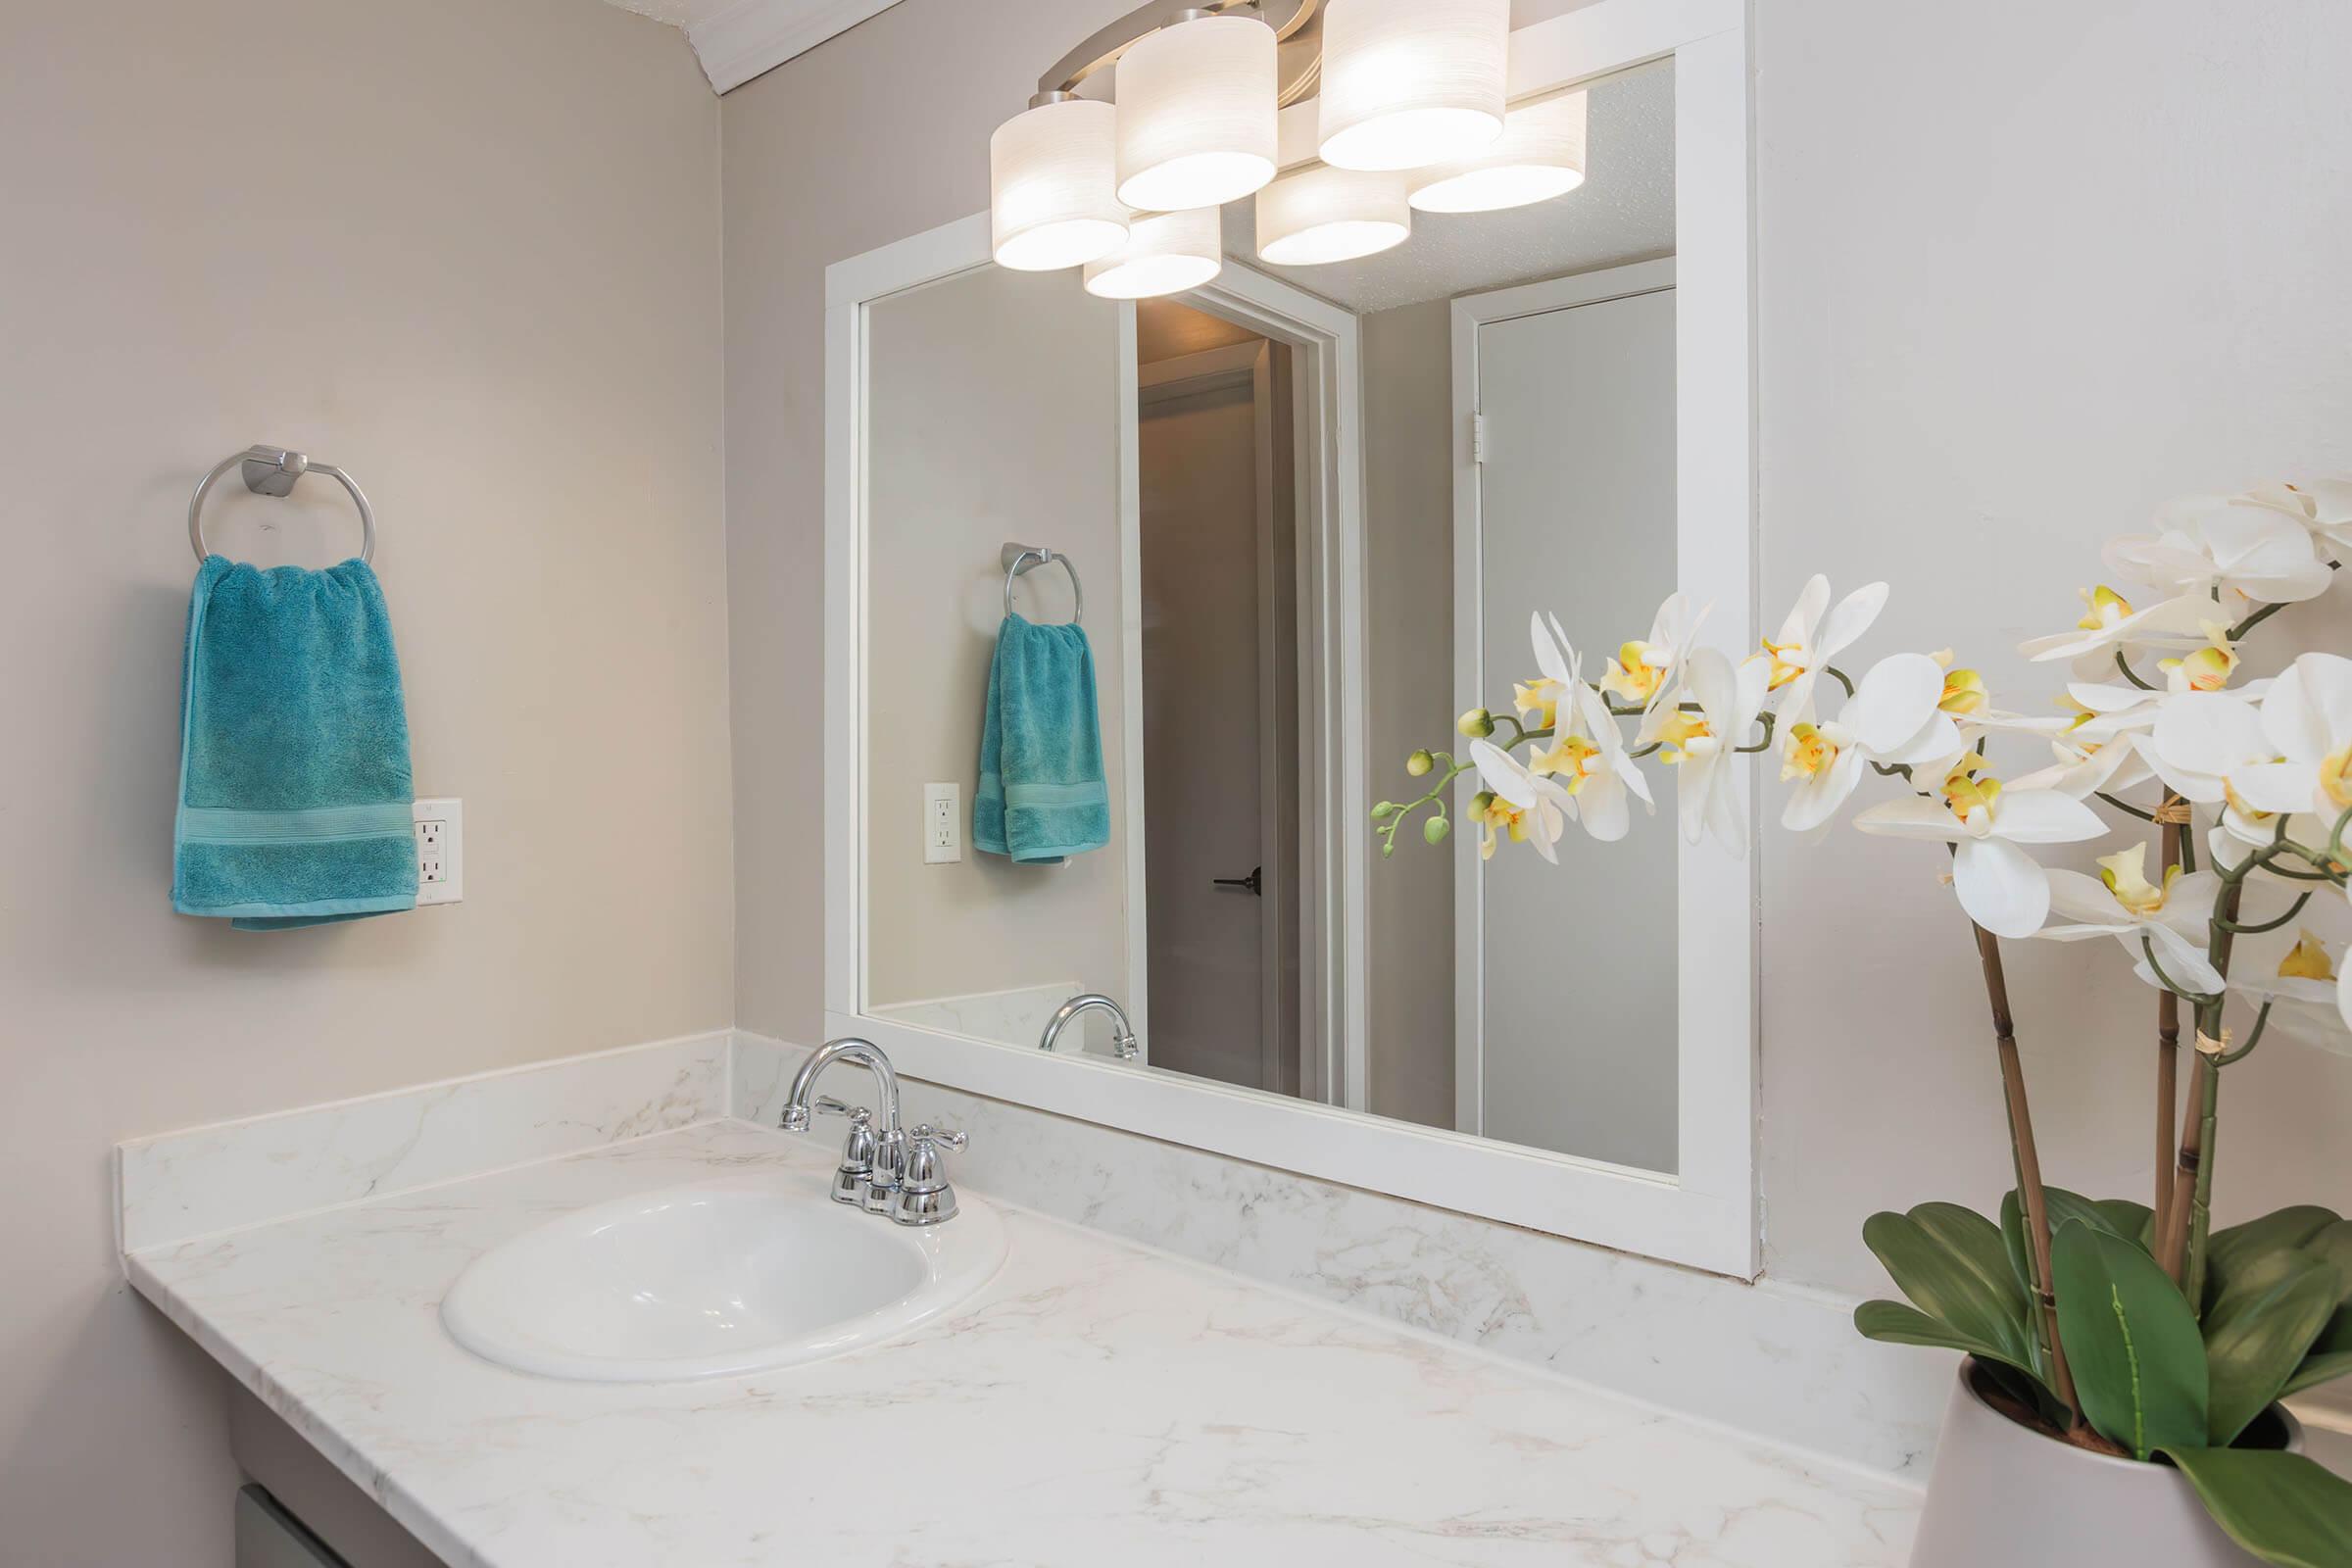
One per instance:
(1093, 1401)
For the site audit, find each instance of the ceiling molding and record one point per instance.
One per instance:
(752, 36)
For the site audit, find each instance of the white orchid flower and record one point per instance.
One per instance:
(2235, 544)
(2120, 901)
(2110, 628)
(1701, 744)
(1586, 756)
(2307, 725)
(2201, 743)
(1814, 634)
(2088, 768)
(2307, 994)
(1647, 672)
(1892, 719)
(2324, 506)
(2002, 888)
(1525, 807)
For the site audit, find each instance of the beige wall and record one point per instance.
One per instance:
(992, 402)
(1996, 322)
(470, 251)
(2021, 279)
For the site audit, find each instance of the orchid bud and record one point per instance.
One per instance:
(1435, 829)
(1419, 763)
(1477, 723)
(1384, 810)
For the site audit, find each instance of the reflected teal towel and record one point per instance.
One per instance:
(1041, 795)
(294, 791)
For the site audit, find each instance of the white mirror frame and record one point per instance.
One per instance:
(1704, 1215)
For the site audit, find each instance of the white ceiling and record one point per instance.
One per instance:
(1623, 212)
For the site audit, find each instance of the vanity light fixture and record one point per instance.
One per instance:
(1198, 113)
(1167, 253)
(1050, 175)
(1411, 83)
(1410, 114)
(1539, 155)
(1320, 214)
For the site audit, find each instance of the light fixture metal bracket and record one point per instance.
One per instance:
(1103, 49)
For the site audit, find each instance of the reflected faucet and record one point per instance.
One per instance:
(1122, 1040)
(876, 1189)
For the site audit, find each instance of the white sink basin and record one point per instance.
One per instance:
(734, 1275)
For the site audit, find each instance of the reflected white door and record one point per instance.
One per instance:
(1574, 1030)
(1213, 841)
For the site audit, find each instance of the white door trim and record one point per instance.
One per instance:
(1705, 1215)
(1471, 687)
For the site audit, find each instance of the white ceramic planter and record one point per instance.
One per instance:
(2006, 1494)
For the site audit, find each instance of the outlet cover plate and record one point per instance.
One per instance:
(943, 824)
(440, 850)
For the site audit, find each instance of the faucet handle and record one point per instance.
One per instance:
(943, 1137)
(830, 1107)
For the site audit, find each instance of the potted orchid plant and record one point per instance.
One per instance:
(2123, 1360)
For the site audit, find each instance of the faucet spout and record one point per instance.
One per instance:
(865, 1053)
(1122, 1039)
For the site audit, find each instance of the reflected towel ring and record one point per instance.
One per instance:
(272, 472)
(1019, 559)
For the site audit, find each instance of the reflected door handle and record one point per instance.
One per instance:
(1251, 882)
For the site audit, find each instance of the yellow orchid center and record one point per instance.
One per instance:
(2209, 668)
(2308, 961)
(2126, 874)
(1501, 814)
(2104, 606)
(1677, 733)
(1570, 760)
(1789, 661)
(1807, 753)
(1964, 692)
(1540, 699)
(1631, 675)
(2083, 715)
(1964, 792)
(2335, 778)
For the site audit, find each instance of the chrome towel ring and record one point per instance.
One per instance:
(272, 472)
(1019, 559)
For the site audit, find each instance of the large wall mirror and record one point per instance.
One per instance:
(1295, 519)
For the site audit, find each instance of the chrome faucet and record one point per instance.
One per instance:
(1122, 1039)
(871, 1163)
(891, 1172)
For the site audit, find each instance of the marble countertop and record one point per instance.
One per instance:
(1096, 1402)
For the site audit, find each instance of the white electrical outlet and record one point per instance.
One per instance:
(943, 824)
(440, 850)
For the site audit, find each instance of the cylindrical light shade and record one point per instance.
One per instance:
(1197, 114)
(1539, 155)
(1411, 83)
(1165, 253)
(1050, 180)
(1331, 215)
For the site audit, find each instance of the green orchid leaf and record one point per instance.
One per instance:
(2281, 1508)
(1898, 1324)
(2132, 1341)
(2333, 1246)
(2330, 1356)
(2240, 1246)
(2012, 1242)
(1951, 1263)
(2133, 1222)
(2257, 1334)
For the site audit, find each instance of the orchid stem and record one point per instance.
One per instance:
(2030, 1196)
(2168, 1039)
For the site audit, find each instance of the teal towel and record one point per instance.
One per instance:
(1041, 795)
(294, 790)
